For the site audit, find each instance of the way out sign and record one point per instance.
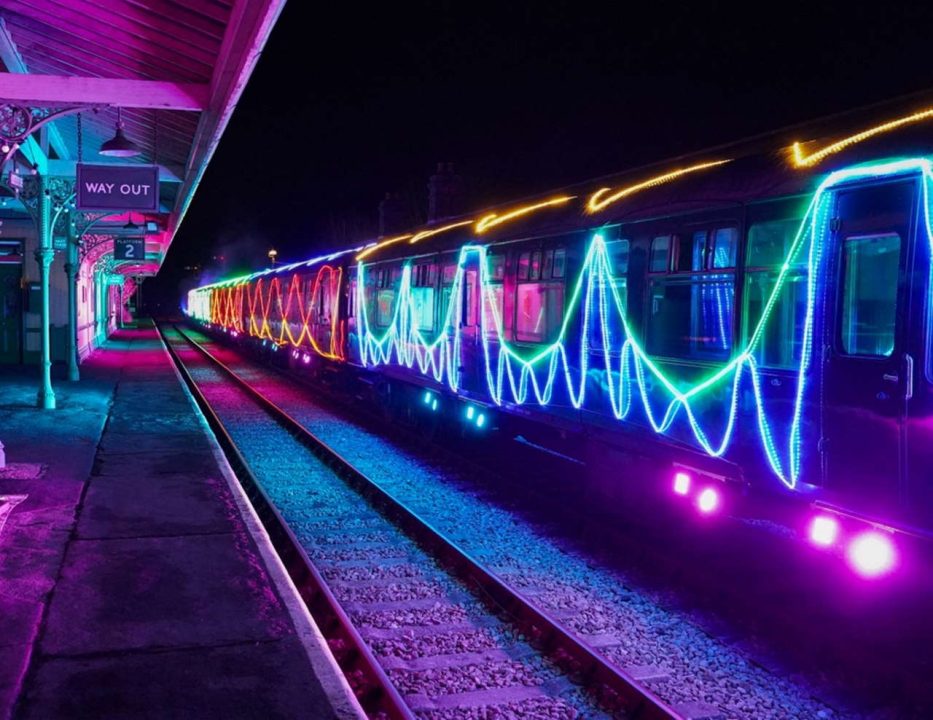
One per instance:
(118, 187)
(129, 249)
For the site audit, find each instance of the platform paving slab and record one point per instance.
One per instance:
(129, 583)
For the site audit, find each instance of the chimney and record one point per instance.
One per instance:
(393, 215)
(445, 193)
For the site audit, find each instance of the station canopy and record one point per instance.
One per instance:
(170, 70)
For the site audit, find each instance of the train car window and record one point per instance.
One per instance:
(560, 263)
(449, 273)
(524, 265)
(723, 248)
(495, 264)
(688, 253)
(535, 273)
(870, 268)
(423, 295)
(618, 256)
(548, 264)
(780, 343)
(769, 243)
(660, 254)
(493, 305)
(385, 304)
(691, 316)
(539, 312)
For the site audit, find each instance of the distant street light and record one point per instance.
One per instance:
(273, 254)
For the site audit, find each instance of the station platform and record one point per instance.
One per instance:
(134, 579)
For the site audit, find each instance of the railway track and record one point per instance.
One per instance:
(419, 627)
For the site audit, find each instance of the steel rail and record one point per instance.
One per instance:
(375, 692)
(611, 687)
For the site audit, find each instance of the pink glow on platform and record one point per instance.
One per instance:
(872, 554)
(681, 483)
(709, 500)
(824, 531)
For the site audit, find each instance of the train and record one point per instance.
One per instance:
(757, 319)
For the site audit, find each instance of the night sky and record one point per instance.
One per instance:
(522, 98)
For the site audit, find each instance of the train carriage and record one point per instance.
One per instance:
(761, 317)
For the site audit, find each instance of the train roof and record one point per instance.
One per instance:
(790, 162)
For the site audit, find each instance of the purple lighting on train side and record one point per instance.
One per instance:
(681, 483)
(709, 500)
(872, 554)
(824, 531)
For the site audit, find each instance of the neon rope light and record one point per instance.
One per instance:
(517, 377)
(604, 197)
(493, 219)
(805, 161)
(430, 233)
(268, 305)
(379, 245)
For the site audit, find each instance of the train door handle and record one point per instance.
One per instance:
(890, 377)
(909, 367)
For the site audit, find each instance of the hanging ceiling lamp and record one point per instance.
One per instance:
(119, 145)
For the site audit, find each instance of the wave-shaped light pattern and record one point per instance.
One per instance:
(512, 377)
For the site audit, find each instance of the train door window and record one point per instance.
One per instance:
(471, 309)
(539, 311)
(351, 298)
(870, 268)
(723, 247)
(560, 263)
(660, 254)
(422, 294)
(495, 264)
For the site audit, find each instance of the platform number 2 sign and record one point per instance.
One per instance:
(129, 249)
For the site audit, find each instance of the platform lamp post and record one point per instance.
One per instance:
(273, 254)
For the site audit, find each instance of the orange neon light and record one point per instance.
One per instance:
(493, 219)
(428, 233)
(801, 160)
(257, 301)
(378, 246)
(602, 197)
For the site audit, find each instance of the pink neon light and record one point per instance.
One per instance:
(681, 483)
(708, 502)
(824, 530)
(872, 554)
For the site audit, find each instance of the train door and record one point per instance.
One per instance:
(867, 369)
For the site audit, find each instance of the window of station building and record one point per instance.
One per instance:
(780, 342)
(870, 269)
